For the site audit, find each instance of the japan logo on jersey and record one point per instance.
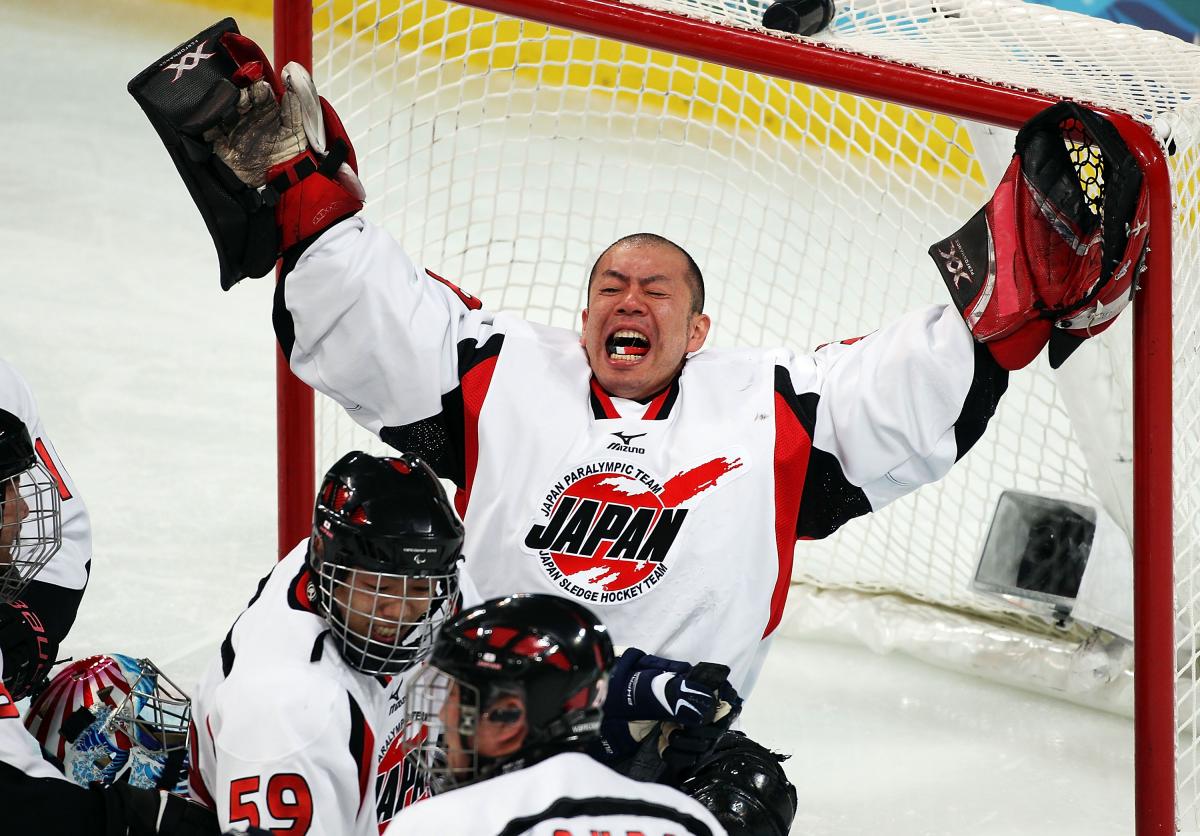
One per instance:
(605, 531)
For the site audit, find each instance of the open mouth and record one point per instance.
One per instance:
(627, 346)
(384, 635)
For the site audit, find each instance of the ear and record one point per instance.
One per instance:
(583, 327)
(698, 332)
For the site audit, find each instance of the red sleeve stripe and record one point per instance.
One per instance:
(475, 384)
(362, 747)
(467, 299)
(792, 447)
(44, 455)
(196, 784)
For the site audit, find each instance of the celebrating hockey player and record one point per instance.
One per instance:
(297, 721)
(622, 466)
(44, 531)
(499, 718)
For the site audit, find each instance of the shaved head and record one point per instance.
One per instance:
(648, 239)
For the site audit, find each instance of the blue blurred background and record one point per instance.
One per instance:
(1180, 18)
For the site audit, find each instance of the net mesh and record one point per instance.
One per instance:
(506, 154)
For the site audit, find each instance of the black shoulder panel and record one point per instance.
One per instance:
(987, 386)
(439, 439)
(829, 499)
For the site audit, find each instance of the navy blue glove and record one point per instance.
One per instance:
(644, 691)
(643, 687)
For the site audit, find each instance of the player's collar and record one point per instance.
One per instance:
(658, 407)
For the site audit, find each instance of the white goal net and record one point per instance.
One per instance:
(505, 153)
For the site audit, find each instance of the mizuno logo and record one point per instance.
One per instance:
(622, 445)
(189, 61)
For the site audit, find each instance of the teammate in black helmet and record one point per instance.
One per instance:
(34, 617)
(305, 701)
(44, 531)
(499, 720)
(384, 553)
(30, 524)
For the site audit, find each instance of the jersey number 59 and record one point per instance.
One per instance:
(289, 802)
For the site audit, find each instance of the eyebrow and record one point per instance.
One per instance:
(617, 274)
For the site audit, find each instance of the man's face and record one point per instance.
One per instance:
(383, 607)
(498, 731)
(638, 324)
(13, 511)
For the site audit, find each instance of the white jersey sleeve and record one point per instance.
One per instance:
(69, 567)
(353, 285)
(283, 762)
(17, 746)
(889, 412)
(566, 794)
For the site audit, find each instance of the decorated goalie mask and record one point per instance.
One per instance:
(113, 719)
(384, 555)
(509, 683)
(30, 509)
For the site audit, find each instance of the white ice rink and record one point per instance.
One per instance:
(158, 390)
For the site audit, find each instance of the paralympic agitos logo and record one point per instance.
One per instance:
(605, 530)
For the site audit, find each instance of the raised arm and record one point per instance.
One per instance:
(887, 413)
(1052, 258)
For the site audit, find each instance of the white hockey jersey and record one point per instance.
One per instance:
(675, 520)
(287, 735)
(566, 795)
(69, 567)
(18, 748)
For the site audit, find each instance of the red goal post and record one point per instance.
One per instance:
(707, 31)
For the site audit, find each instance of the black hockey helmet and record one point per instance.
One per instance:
(384, 553)
(30, 509)
(742, 783)
(16, 447)
(550, 653)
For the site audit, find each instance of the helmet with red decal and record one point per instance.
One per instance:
(384, 555)
(113, 718)
(509, 683)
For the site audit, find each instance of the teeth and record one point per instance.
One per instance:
(628, 346)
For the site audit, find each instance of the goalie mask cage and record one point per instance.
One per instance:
(506, 145)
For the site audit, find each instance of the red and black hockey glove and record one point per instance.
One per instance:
(1056, 253)
(266, 160)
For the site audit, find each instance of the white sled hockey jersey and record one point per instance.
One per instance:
(566, 795)
(69, 567)
(285, 734)
(18, 748)
(674, 520)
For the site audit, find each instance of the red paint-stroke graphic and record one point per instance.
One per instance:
(621, 572)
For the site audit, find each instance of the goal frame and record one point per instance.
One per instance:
(813, 63)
